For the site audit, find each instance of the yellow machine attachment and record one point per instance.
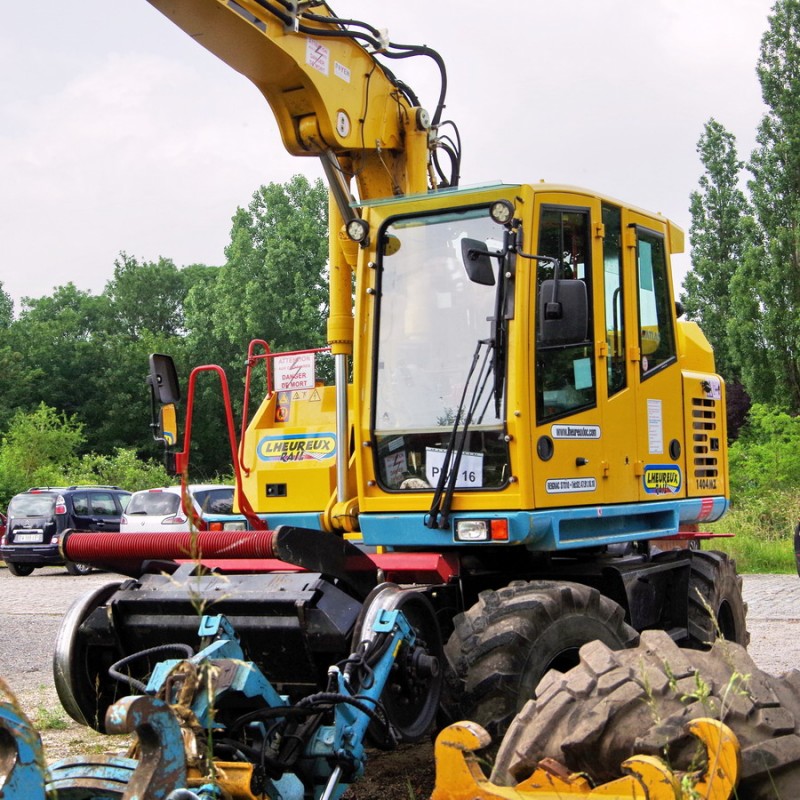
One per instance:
(459, 775)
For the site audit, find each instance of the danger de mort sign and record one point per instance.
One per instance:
(294, 371)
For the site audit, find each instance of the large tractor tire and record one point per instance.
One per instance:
(616, 704)
(504, 645)
(716, 607)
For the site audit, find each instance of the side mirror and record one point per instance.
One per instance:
(168, 424)
(163, 379)
(563, 312)
(477, 262)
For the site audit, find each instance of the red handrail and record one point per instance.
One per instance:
(182, 458)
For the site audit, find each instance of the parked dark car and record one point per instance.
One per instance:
(38, 518)
(797, 547)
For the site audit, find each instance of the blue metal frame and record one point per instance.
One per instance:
(551, 529)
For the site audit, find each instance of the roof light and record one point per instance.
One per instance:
(501, 211)
(358, 230)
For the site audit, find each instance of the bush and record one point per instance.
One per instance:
(123, 469)
(766, 456)
(40, 449)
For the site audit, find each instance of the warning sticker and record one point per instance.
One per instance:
(562, 485)
(294, 371)
(655, 427)
(318, 56)
(394, 468)
(283, 406)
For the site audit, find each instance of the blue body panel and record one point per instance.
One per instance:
(554, 529)
(309, 520)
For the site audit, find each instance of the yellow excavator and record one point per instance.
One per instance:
(520, 430)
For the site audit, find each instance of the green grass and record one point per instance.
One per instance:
(763, 532)
(49, 719)
(754, 556)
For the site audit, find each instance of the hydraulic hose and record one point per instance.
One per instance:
(106, 548)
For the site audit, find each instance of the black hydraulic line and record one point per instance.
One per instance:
(454, 171)
(114, 672)
(388, 50)
(422, 50)
(286, 19)
(344, 22)
(375, 42)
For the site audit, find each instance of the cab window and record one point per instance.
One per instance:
(565, 378)
(613, 285)
(656, 335)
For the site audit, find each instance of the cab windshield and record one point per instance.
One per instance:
(435, 330)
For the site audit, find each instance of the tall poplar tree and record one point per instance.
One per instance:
(765, 329)
(719, 232)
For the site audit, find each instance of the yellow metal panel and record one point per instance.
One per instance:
(706, 434)
(290, 450)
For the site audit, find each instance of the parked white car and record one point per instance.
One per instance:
(159, 510)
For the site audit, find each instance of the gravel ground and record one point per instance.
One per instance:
(31, 610)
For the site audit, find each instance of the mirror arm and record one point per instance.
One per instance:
(154, 426)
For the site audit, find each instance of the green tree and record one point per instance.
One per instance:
(146, 297)
(39, 448)
(6, 308)
(720, 230)
(765, 325)
(17, 378)
(58, 338)
(124, 469)
(274, 284)
(272, 287)
(86, 355)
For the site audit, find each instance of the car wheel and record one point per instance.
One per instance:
(20, 570)
(76, 568)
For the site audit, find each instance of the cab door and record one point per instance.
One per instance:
(655, 370)
(568, 435)
(617, 363)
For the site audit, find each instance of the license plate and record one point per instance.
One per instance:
(23, 538)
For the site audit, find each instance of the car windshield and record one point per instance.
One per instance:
(215, 501)
(153, 504)
(32, 505)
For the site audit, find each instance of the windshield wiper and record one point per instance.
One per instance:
(439, 513)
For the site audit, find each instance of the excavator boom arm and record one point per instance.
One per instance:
(329, 94)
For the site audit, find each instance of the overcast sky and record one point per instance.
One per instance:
(119, 133)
